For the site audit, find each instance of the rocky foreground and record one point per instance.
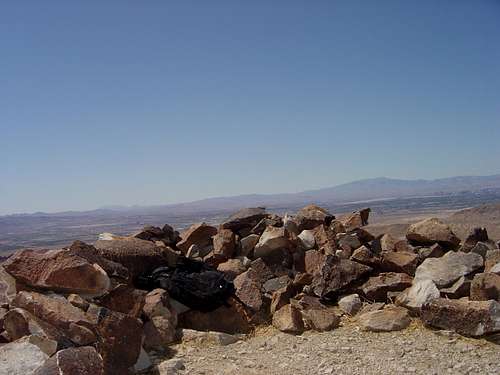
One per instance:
(203, 301)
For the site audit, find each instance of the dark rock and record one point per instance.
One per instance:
(231, 319)
(336, 275)
(468, 318)
(476, 235)
(434, 251)
(459, 289)
(377, 287)
(245, 218)
(124, 299)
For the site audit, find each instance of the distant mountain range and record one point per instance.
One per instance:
(357, 191)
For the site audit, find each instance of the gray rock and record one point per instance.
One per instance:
(247, 244)
(350, 304)
(21, 358)
(210, 337)
(449, 268)
(421, 292)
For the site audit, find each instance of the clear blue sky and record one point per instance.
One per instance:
(148, 102)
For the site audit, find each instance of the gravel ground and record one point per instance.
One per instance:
(345, 350)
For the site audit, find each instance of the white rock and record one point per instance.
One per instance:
(350, 304)
(307, 239)
(20, 358)
(421, 292)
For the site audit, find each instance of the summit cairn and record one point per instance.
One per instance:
(111, 307)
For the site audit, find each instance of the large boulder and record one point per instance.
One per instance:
(420, 293)
(377, 287)
(73, 361)
(468, 318)
(138, 256)
(245, 218)
(389, 319)
(485, 286)
(73, 322)
(58, 270)
(311, 216)
(449, 268)
(21, 358)
(336, 275)
(89, 252)
(431, 231)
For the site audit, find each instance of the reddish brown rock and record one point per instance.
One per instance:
(247, 244)
(138, 256)
(320, 319)
(288, 319)
(355, 220)
(468, 318)
(19, 323)
(74, 323)
(389, 319)
(197, 234)
(58, 270)
(400, 262)
(377, 287)
(249, 290)
(336, 275)
(92, 255)
(311, 216)
(160, 328)
(229, 319)
(124, 299)
(224, 243)
(314, 261)
(232, 268)
(282, 296)
(120, 340)
(78, 301)
(492, 258)
(485, 286)
(365, 256)
(324, 239)
(434, 251)
(73, 361)
(431, 231)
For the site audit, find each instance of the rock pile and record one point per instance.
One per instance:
(100, 309)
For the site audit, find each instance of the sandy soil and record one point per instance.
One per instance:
(345, 350)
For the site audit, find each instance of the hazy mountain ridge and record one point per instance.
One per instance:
(367, 189)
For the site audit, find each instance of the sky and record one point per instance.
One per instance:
(151, 102)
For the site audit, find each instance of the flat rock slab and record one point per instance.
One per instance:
(449, 268)
(469, 318)
(386, 320)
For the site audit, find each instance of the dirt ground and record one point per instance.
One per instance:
(345, 350)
